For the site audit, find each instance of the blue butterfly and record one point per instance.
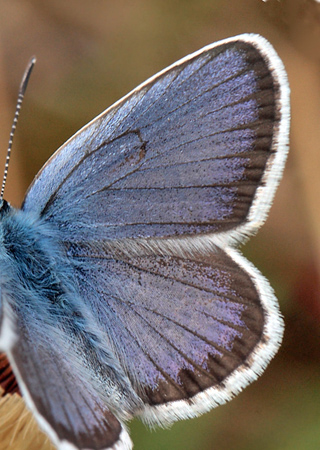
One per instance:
(122, 293)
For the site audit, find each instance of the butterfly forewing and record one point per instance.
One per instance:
(183, 154)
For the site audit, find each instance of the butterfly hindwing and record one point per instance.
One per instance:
(184, 327)
(57, 388)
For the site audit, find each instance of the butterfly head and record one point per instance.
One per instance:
(4, 207)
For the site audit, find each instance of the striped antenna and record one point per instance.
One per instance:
(22, 90)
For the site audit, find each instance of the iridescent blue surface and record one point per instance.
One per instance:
(182, 147)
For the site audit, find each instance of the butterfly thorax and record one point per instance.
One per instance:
(33, 262)
(29, 256)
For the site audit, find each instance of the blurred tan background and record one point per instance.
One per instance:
(89, 54)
